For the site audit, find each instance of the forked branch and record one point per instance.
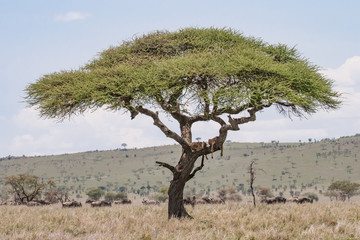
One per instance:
(196, 169)
(163, 127)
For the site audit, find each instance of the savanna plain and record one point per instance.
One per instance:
(321, 220)
(284, 168)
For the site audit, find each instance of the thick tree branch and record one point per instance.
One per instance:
(163, 127)
(235, 122)
(196, 169)
(168, 106)
(168, 166)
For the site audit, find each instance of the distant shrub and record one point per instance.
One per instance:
(312, 196)
(161, 197)
(230, 194)
(264, 192)
(95, 193)
(115, 196)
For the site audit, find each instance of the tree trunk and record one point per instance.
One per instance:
(176, 204)
(181, 176)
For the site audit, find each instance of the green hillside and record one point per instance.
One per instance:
(281, 167)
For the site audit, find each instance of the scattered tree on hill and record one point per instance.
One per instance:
(124, 145)
(192, 75)
(26, 187)
(346, 189)
(95, 193)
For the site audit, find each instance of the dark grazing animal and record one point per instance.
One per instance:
(42, 202)
(122, 201)
(217, 200)
(189, 201)
(200, 201)
(279, 199)
(304, 200)
(71, 204)
(150, 202)
(9, 203)
(274, 200)
(90, 201)
(33, 204)
(101, 204)
(213, 200)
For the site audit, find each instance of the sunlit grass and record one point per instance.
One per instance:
(229, 221)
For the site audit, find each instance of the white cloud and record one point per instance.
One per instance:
(347, 74)
(347, 81)
(71, 16)
(97, 130)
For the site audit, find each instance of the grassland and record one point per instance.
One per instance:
(230, 221)
(301, 167)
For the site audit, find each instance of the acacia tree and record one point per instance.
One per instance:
(192, 75)
(345, 189)
(26, 187)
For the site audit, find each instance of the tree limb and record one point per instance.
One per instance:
(163, 127)
(196, 169)
(168, 166)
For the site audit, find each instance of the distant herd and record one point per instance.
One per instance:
(187, 201)
(284, 200)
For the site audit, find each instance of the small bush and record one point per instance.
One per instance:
(312, 196)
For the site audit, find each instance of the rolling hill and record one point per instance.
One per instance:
(280, 166)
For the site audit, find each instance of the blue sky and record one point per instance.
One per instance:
(40, 37)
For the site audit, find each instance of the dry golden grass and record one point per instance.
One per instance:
(229, 221)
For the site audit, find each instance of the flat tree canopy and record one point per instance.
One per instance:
(214, 70)
(193, 74)
(346, 188)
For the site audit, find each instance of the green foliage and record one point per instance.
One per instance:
(164, 190)
(312, 196)
(26, 187)
(161, 197)
(95, 193)
(347, 187)
(199, 66)
(193, 75)
(109, 196)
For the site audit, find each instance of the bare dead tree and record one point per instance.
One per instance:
(252, 171)
(252, 178)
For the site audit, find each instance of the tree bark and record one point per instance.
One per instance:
(181, 174)
(176, 208)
